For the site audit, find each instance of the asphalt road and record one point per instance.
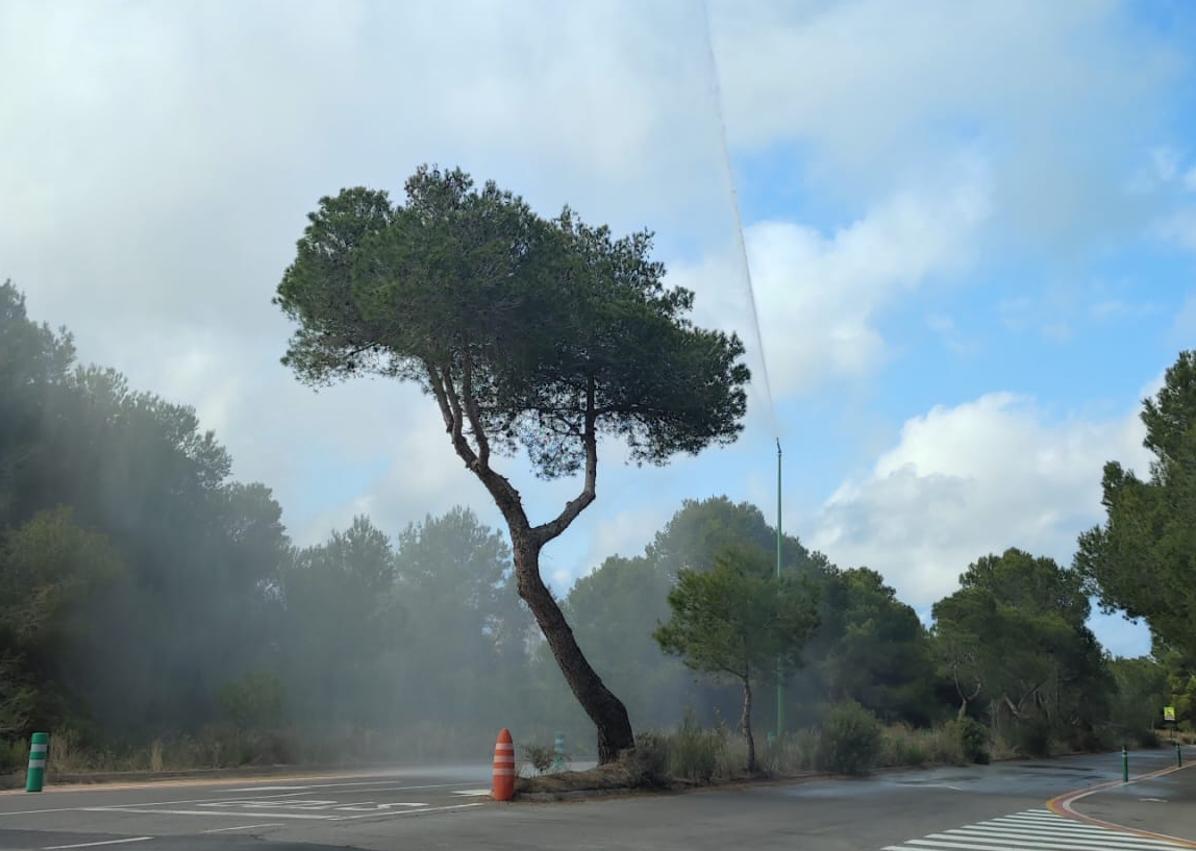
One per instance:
(1165, 804)
(992, 808)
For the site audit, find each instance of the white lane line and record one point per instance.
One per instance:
(215, 798)
(1044, 820)
(197, 813)
(1013, 845)
(94, 844)
(472, 793)
(243, 827)
(1030, 840)
(1068, 830)
(1032, 830)
(411, 812)
(1077, 833)
(341, 785)
(1054, 835)
(1065, 825)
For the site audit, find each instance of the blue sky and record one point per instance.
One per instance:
(972, 232)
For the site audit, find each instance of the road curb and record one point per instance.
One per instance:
(1061, 806)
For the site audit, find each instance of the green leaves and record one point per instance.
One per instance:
(543, 326)
(1143, 558)
(1015, 633)
(737, 619)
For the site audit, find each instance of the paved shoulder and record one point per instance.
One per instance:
(1163, 802)
(1036, 830)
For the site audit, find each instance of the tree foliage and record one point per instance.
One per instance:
(1143, 558)
(1018, 625)
(545, 334)
(148, 490)
(545, 330)
(738, 620)
(145, 593)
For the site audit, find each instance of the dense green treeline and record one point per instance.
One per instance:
(146, 595)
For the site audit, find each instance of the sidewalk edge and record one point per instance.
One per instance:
(1061, 806)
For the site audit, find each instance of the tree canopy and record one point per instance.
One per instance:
(739, 620)
(544, 333)
(1015, 634)
(1143, 558)
(533, 333)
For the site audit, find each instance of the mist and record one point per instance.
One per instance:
(154, 611)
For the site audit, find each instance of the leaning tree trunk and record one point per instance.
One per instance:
(745, 724)
(605, 710)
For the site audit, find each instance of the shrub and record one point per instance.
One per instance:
(253, 701)
(791, 753)
(972, 739)
(14, 754)
(901, 745)
(540, 756)
(693, 752)
(851, 739)
(1149, 739)
(650, 759)
(1033, 737)
(807, 744)
(730, 761)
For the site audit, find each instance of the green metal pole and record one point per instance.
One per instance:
(1125, 765)
(39, 745)
(558, 752)
(780, 684)
(1179, 754)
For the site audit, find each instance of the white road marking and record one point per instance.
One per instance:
(197, 813)
(419, 812)
(472, 793)
(373, 807)
(94, 844)
(341, 785)
(242, 827)
(1046, 827)
(1062, 836)
(1033, 830)
(1029, 840)
(31, 812)
(1054, 834)
(251, 804)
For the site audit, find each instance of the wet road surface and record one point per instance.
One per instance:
(445, 808)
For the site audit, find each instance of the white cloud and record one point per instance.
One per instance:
(1165, 161)
(1179, 228)
(820, 294)
(161, 157)
(870, 93)
(624, 532)
(1183, 327)
(972, 479)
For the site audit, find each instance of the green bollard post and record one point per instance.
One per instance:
(1179, 755)
(558, 751)
(1125, 765)
(39, 746)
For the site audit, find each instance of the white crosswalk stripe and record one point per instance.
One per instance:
(1032, 830)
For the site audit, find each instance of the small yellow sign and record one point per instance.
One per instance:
(1169, 713)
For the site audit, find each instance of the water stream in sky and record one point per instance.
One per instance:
(741, 246)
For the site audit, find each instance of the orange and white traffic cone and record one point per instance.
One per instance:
(502, 787)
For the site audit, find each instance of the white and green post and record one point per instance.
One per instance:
(39, 747)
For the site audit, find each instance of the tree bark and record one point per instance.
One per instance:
(745, 725)
(605, 710)
(965, 699)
